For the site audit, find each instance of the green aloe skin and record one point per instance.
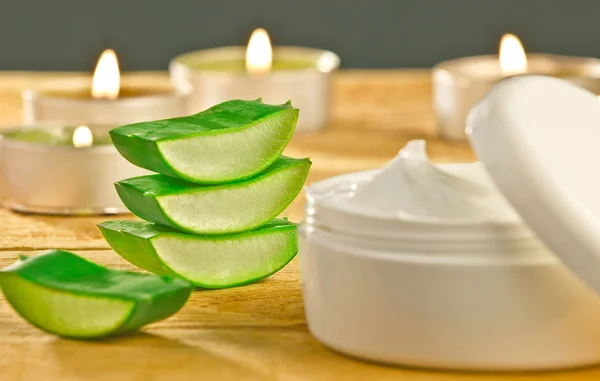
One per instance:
(205, 261)
(231, 141)
(66, 295)
(215, 209)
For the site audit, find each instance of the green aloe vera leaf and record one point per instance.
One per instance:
(231, 141)
(215, 209)
(66, 295)
(205, 261)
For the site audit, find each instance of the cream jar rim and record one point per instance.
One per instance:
(500, 256)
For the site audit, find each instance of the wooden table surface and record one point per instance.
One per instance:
(256, 332)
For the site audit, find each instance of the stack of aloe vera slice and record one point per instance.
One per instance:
(210, 222)
(210, 212)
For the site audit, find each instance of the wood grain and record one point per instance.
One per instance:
(256, 332)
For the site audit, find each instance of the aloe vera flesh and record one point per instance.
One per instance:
(64, 294)
(205, 261)
(215, 209)
(231, 141)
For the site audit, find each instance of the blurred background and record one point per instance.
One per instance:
(70, 34)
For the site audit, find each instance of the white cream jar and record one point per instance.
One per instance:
(438, 286)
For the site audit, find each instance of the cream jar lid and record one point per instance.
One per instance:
(539, 139)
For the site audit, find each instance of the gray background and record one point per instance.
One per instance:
(70, 34)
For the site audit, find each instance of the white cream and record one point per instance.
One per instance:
(412, 186)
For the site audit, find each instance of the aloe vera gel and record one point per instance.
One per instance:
(211, 211)
(230, 141)
(204, 260)
(69, 296)
(227, 208)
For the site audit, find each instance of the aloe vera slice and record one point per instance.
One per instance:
(69, 296)
(230, 141)
(215, 209)
(205, 261)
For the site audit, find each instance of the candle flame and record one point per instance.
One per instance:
(512, 55)
(107, 79)
(259, 55)
(82, 137)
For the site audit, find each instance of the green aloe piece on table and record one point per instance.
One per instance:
(69, 296)
(215, 209)
(231, 141)
(205, 261)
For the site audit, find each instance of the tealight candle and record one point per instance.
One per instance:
(458, 84)
(62, 170)
(103, 101)
(299, 74)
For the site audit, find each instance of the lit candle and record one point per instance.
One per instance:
(259, 55)
(458, 84)
(82, 137)
(106, 82)
(278, 74)
(62, 170)
(106, 101)
(512, 56)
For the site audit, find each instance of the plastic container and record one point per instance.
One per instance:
(479, 295)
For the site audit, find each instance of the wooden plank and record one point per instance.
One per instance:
(256, 332)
